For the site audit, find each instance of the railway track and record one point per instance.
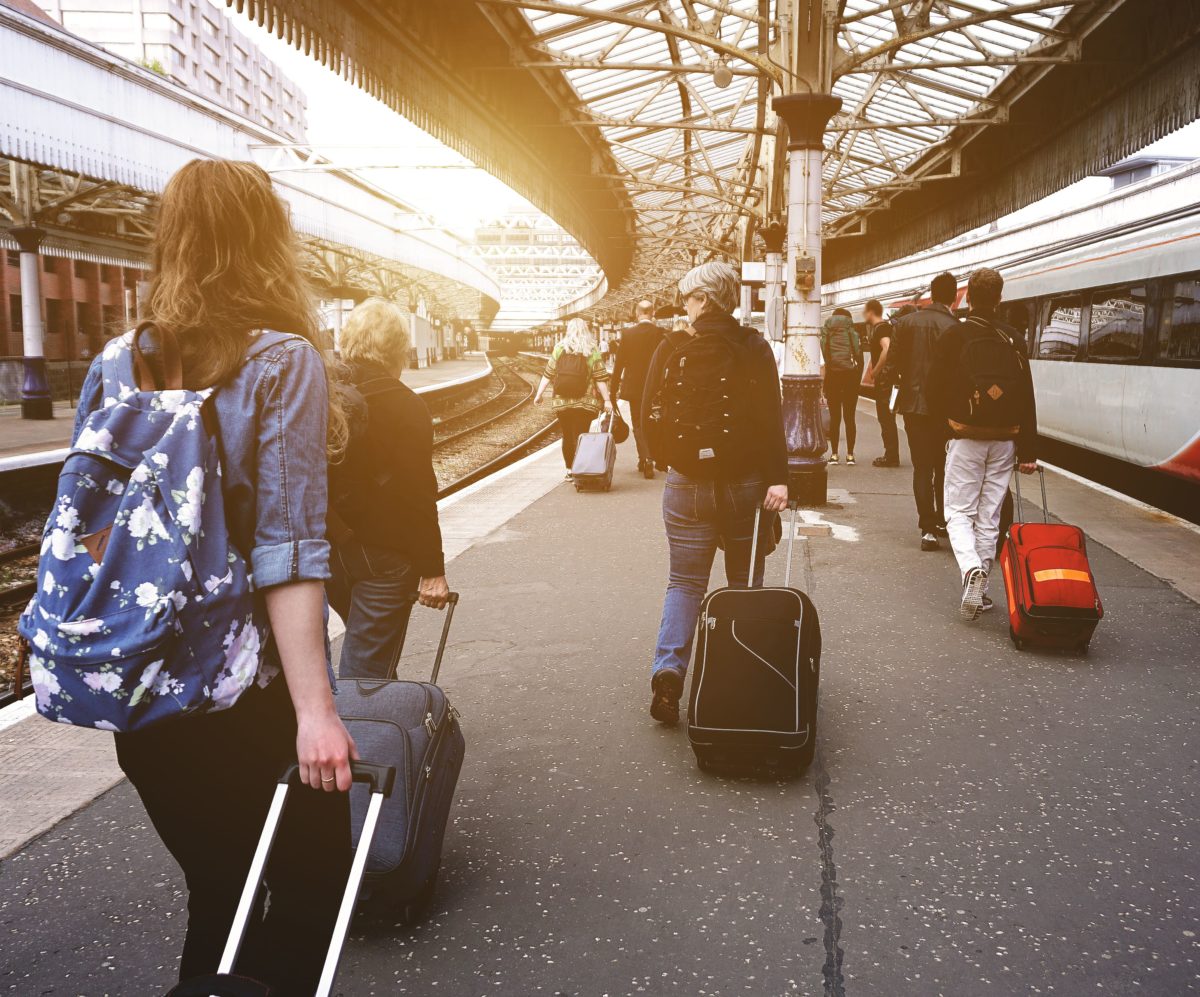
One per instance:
(513, 395)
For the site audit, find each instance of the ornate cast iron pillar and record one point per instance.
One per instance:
(35, 389)
(806, 116)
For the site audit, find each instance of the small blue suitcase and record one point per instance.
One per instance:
(412, 726)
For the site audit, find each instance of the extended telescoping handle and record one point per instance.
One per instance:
(754, 547)
(451, 602)
(381, 778)
(1042, 480)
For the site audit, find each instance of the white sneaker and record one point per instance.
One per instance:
(972, 596)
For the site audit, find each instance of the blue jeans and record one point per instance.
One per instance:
(697, 514)
(372, 589)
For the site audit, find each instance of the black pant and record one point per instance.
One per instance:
(887, 422)
(206, 782)
(841, 391)
(572, 423)
(927, 447)
(639, 437)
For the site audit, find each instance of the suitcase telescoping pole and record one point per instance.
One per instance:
(451, 602)
(787, 571)
(1020, 507)
(381, 779)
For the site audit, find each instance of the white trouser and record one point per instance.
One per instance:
(977, 475)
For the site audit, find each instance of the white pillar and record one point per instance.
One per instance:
(35, 389)
(806, 115)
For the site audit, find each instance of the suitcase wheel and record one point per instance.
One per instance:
(1017, 642)
(1083, 646)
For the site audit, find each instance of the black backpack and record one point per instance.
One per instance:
(572, 371)
(991, 381)
(706, 431)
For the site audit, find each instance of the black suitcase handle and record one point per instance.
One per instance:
(451, 603)
(381, 777)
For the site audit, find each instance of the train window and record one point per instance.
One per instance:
(1117, 323)
(1060, 332)
(1181, 322)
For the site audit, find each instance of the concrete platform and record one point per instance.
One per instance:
(979, 821)
(22, 436)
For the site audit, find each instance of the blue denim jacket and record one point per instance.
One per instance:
(272, 416)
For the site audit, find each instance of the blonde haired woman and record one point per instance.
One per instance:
(225, 272)
(580, 378)
(387, 542)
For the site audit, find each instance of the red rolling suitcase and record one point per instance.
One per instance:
(1051, 591)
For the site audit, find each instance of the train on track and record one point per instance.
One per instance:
(1111, 317)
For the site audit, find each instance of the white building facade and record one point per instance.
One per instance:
(193, 43)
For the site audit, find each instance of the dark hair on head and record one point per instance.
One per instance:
(873, 307)
(842, 311)
(984, 290)
(906, 310)
(944, 289)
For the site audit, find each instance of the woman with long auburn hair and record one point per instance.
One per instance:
(228, 299)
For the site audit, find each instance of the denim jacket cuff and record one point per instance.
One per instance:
(298, 561)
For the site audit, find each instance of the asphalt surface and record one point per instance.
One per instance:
(979, 821)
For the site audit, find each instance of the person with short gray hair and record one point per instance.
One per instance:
(718, 282)
(721, 439)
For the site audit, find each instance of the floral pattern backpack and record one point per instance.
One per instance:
(144, 608)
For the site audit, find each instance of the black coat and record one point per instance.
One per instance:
(633, 359)
(911, 354)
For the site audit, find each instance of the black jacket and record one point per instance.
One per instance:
(911, 353)
(387, 479)
(769, 453)
(941, 385)
(633, 359)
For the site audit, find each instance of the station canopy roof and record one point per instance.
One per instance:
(679, 93)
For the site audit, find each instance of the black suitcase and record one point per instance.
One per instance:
(412, 726)
(225, 983)
(753, 704)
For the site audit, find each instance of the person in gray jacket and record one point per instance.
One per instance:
(913, 340)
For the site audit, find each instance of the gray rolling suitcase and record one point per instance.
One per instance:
(412, 726)
(595, 458)
(753, 704)
(380, 780)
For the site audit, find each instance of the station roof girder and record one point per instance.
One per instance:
(643, 127)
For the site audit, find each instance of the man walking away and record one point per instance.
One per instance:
(633, 361)
(843, 355)
(914, 338)
(880, 343)
(980, 384)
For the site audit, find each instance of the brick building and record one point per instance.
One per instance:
(83, 303)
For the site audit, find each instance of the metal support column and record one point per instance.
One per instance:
(774, 297)
(806, 116)
(35, 388)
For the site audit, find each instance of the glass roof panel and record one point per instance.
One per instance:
(672, 86)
